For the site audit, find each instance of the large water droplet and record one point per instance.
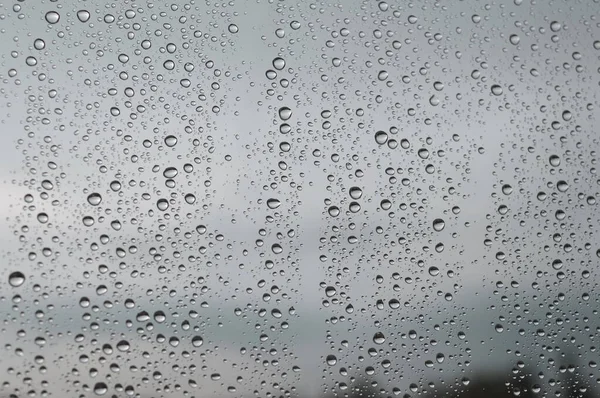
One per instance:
(438, 224)
(378, 338)
(123, 346)
(279, 63)
(190, 199)
(83, 15)
(94, 199)
(381, 137)
(52, 17)
(273, 203)
(16, 279)
(100, 389)
(285, 113)
(356, 193)
(162, 204)
(333, 211)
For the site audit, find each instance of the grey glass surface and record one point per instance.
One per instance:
(299, 199)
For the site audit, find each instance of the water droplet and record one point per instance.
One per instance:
(356, 193)
(170, 141)
(497, 90)
(16, 279)
(381, 137)
(162, 204)
(94, 199)
(285, 113)
(233, 28)
(423, 153)
(554, 161)
(439, 224)
(378, 338)
(331, 360)
(555, 26)
(190, 199)
(333, 211)
(279, 63)
(31, 61)
(514, 39)
(557, 264)
(562, 186)
(100, 389)
(83, 15)
(273, 203)
(39, 44)
(197, 341)
(42, 217)
(507, 189)
(52, 17)
(123, 346)
(385, 204)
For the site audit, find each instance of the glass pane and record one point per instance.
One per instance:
(310, 199)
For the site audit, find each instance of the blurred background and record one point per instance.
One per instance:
(310, 199)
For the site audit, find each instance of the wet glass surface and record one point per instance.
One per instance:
(299, 199)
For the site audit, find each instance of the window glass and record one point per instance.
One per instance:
(270, 198)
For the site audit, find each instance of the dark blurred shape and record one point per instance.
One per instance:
(564, 379)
